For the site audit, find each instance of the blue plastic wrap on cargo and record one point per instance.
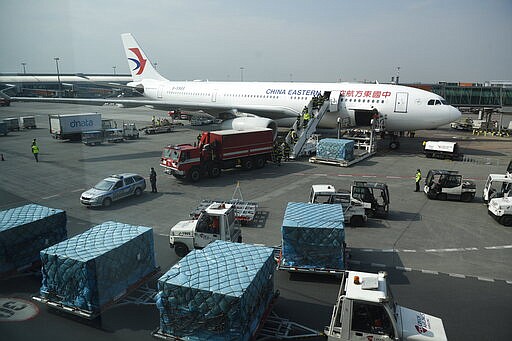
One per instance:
(335, 149)
(25, 231)
(95, 267)
(313, 236)
(218, 293)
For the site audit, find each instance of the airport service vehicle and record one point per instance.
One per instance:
(365, 310)
(218, 150)
(374, 195)
(130, 131)
(462, 124)
(158, 129)
(446, 184)
(353, 210)
(28, 122)
(497, 186)
(114, 135)
(12, 123)
(113, 188)
(3, 128)
(92, 138)
(501, 210)
(216, 222)
(71, 126)
(442, 150)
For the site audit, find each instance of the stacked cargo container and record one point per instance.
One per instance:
(94, 268)
(218, 293)
(25, 231)
(313, 236)
(335, 149)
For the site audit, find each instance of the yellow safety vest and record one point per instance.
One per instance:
(35, 149)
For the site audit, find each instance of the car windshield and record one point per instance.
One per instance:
(104, 185)
(172, 154)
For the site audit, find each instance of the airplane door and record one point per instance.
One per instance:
(159, 92)
(214, 96)
(334, 101)
(401, 101)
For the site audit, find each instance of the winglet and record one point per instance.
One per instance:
(140, 66)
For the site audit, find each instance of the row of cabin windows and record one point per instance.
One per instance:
(431, 102)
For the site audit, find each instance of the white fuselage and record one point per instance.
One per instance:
(402, 107)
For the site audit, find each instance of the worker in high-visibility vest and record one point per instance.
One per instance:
(286, 151)
(305, 119)
(35, 150)
(418, 179)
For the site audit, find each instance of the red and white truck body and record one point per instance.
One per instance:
(217, 150)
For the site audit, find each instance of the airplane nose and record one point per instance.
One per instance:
(454, 114)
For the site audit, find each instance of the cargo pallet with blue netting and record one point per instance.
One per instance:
(95, 270)
(222, 292)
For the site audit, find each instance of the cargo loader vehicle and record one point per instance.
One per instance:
(218, 150)
(216, 222)
(445, 184)
(353, 210)
(365, 310)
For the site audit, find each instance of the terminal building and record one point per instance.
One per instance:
(63, 85)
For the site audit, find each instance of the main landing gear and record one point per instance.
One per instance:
(394, 142)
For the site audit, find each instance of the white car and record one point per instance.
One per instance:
(113, 188)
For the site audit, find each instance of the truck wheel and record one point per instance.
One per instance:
(181, 249)
(466, 197)
(214, 171)
(107, 202)
(137, 192)
(394, 145)
(356, 221)
(261, 162)
(506, 220)
(248, 164)
(194, 174)
(239, 240)
(441, 196)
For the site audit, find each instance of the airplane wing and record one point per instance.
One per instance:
(213, 108)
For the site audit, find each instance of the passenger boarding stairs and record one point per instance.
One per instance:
(304, 133)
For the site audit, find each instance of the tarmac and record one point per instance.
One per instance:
(446, 258)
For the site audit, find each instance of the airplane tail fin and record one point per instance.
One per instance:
(139, 64)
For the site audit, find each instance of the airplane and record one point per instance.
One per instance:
(269, 104)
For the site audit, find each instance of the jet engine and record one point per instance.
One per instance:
(250, 123)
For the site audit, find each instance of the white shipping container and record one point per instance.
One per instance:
(74, 123)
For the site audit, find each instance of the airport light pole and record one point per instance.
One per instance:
(58, 75)
(114, 68)
(397, 73)
(24, 70)
(241, 73)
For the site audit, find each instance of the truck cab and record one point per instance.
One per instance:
(365, 310)
(216, 222)
(446, 184)
(353, 210)
(497, 186)
(374, 196)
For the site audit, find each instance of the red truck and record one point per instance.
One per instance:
(217, 150)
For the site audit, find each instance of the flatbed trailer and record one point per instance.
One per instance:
(278, 255)
(150, 130)
(270, 327)
(341, 163)
(55, 303)
(245, 211)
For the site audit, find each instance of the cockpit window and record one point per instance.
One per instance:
(444, 102)
(431, 101)
(438, 102)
